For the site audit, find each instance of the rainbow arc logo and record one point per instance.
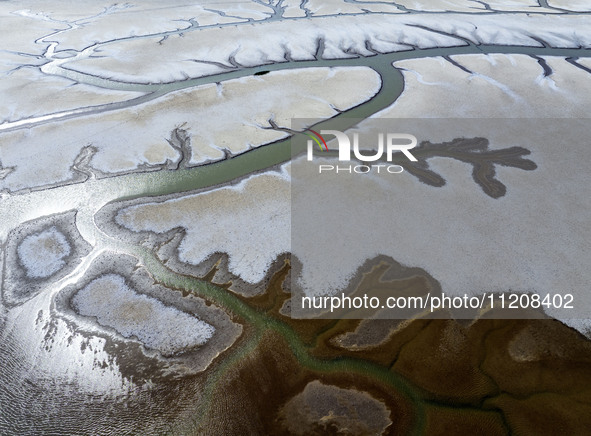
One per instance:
(315, 138)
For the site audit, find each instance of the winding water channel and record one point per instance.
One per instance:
(88, 197)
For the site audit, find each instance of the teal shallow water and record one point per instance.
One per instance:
(90, 196)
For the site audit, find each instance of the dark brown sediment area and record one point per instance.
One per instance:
(497, 380)
(484, 375)
(489, 376)
(439, 376)
(254, 393)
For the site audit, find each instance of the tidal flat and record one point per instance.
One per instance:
(152, 208)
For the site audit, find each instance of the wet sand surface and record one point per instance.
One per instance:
(118, 323)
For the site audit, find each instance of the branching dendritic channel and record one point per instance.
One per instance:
(474, 151)
(119, 70)
(146, 191)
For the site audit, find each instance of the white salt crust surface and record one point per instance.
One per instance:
(150, 17)
(88, 21)
(250, 221)
(28, 93)
(318, 8)
(229, 116)
(157, 326)
(571, 5)
(22, 40)
(472, 6)
(447, 99)
(42, 253)
(498, 86)
(343, 36)
(468, 249)
(528, 240)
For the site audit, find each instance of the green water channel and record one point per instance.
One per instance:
(90, 196)
(169, 182)
(264, 157)
(263, 322)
